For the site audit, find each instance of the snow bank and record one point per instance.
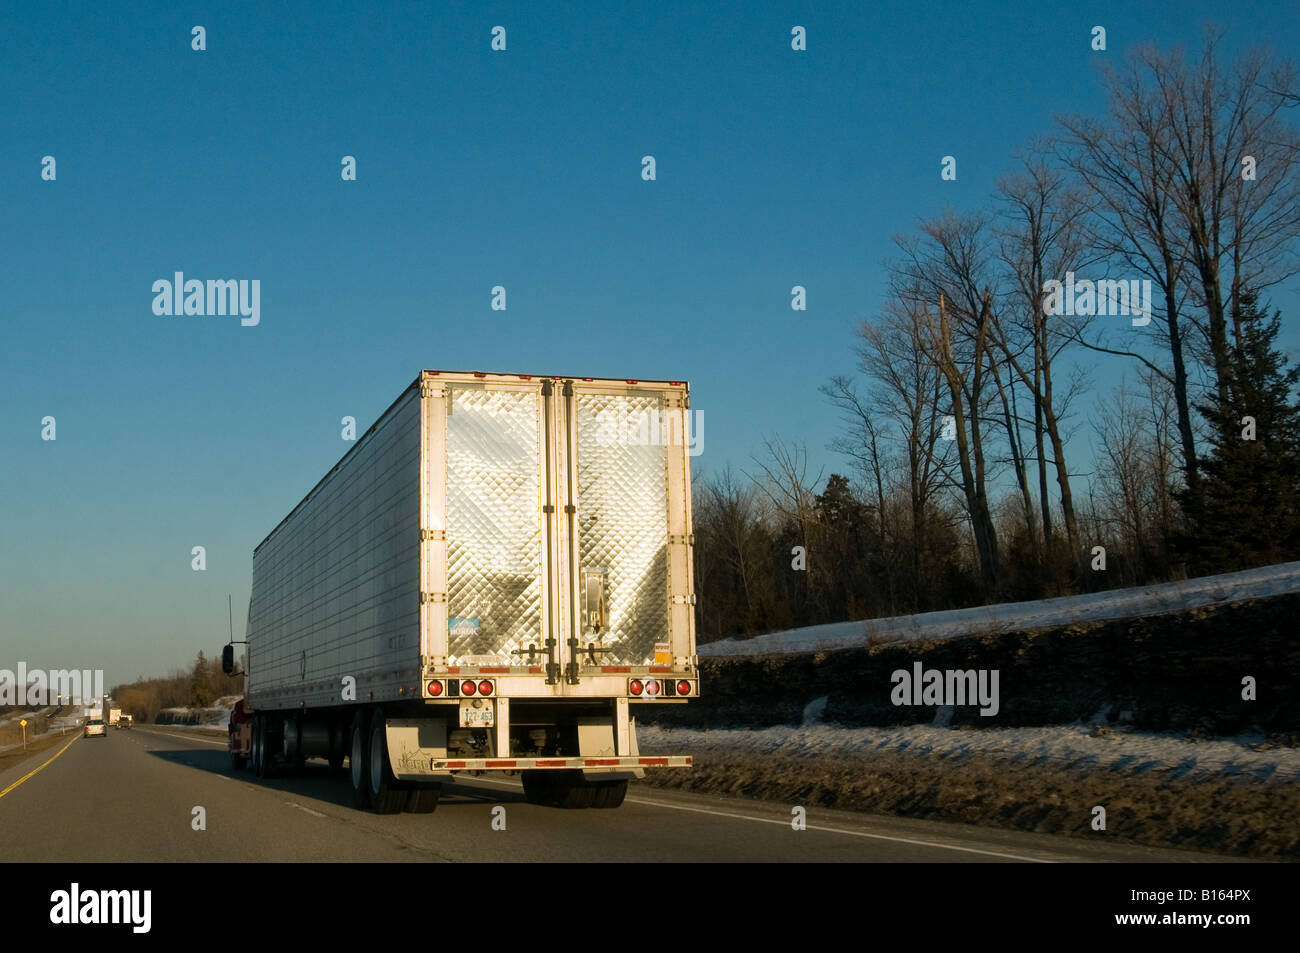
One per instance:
(1092, 747)
(1012, 616)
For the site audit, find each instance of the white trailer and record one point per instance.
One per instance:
(491, 579)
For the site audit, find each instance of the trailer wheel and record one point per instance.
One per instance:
(260, 767)
(423, 798)
(609, 793)
(537, 787)
(359, 761)
(387, 794)
(264, 747)
(572, 791)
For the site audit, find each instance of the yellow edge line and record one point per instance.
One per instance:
(36, 770)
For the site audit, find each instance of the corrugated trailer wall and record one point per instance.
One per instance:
(336, 587)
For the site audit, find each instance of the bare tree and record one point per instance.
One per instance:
(951, 267)
(1044, 236)
(901, 408)
(793, 496)
(1169, 169)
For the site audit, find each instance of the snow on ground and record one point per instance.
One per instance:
(1013, 616)
(1077, 746)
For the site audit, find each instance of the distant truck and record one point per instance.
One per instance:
(491, 579)
(124, 721)
(114, 715)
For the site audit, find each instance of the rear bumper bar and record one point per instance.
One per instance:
(557, 764)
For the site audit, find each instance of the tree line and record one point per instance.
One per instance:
(197, 687)
(1144, 240)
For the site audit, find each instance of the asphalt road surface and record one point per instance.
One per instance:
(132, 796)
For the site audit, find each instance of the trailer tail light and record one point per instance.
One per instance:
(468, 687)
(635, 686)
(485, 687)
(683, 687)
(435, 688)
(651, 687)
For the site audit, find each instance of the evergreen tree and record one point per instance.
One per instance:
(1249, 513)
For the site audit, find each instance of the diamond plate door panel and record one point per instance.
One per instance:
(494, 545)
(622, 493)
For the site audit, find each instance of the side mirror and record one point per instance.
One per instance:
(228, 659)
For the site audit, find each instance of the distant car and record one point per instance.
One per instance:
(124, 721)
(95, 727)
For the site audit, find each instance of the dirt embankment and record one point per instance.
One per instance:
(11, 731)
(1178, 671)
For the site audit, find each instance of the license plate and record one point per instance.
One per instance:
(471, 717)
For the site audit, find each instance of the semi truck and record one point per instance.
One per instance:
(493, 578)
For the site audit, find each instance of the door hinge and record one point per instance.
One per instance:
(688, 540)
(684, 600)
(432, 597)
(428, 534)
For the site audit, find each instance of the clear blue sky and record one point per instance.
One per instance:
(475, 169)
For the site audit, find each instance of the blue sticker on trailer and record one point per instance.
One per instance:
(460, 628)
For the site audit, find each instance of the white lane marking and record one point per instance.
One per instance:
(827, 830)
(204, 741)
(307, 809)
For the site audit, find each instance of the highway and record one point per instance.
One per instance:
(131, 797)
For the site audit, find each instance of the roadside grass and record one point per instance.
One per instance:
(1227, 815)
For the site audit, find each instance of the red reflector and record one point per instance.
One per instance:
(676, 383)
(651, 687)
(632, 382)
(525, 377)
(435, 688)
(635, 686)
(479, 374)
(467, 688)
(485, 687)
(683, 687)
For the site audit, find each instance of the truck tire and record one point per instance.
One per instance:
(537, 787)
(359, 760)
(609, 793)
(260, 767)
(423, 798)
(237, 761)
(266, 741)
(571, 791)
(387, 794)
